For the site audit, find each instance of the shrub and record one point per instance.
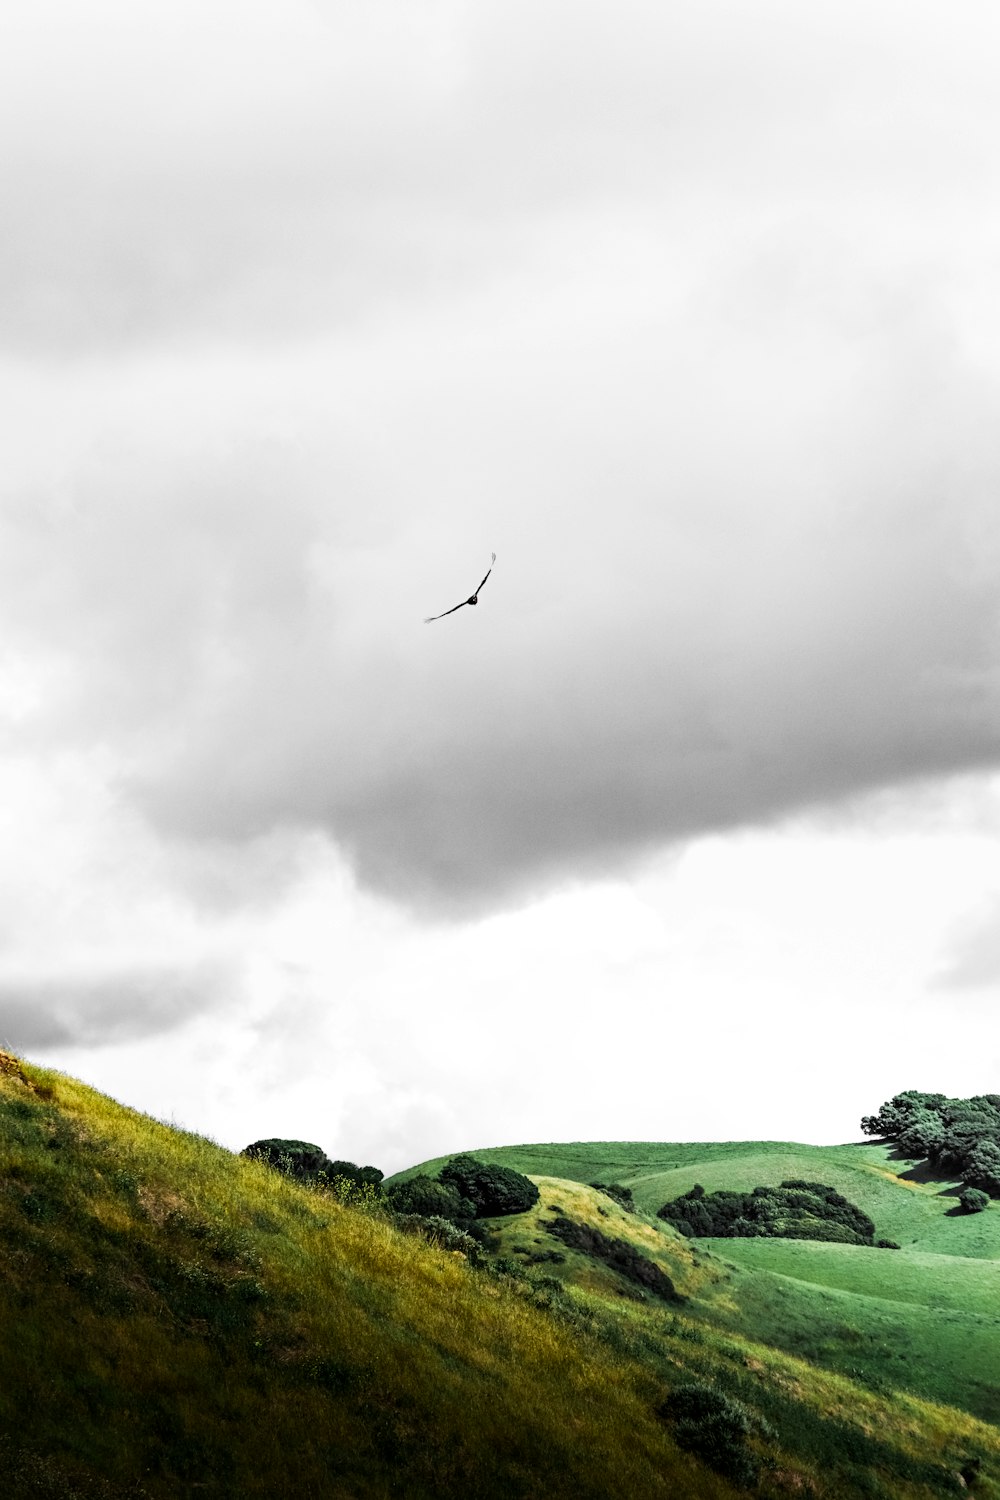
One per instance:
(973, 1200)
(618, 1254)
(294, 1158)
(423, 1195)
(495, 1191)
(309, 1163)
(362, 1176)
(440, 1232)
(621, 1195)
(796, 1210)
(715, 1427)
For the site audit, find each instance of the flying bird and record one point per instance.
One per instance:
(472, 599)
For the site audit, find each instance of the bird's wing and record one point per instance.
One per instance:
(451, 611)
(493, 558)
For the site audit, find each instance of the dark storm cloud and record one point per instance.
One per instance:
(105, 1009)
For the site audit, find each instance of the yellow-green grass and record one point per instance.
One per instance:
(837, 1434)
(178, 1319)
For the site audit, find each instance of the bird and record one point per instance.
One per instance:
(472, 599)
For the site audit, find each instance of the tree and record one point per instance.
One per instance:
(309, 1163)
(300, 1159)
(982, 1169)
(495, 1191)
(360, 1176)
(423, 1195)
(923, 1135)
(896, 1114)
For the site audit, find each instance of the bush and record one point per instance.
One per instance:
(494, 1191)
(618, 1254)
(295, 1158)
(360, 1176)
(309, 1163)
(715, 1427)
(423, 1195)
(621, 1195)
(797, 1210)
(973, 1200)
(440, 1232)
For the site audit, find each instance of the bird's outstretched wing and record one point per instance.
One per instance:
(471, 600)
(489, 570)
(451, 611)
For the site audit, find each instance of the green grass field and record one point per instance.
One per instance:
(176, 1321)
(924, 1318)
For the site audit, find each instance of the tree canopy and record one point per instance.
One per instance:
(960, 1137)
(310, 1163)
(796, 1210)
(495, 1191)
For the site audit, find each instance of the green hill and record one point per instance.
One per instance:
(177, 1321)
(925, 1318)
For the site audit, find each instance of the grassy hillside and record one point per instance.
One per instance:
(925, 1318)
(177, 1321)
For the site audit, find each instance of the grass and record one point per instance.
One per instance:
(925, 1318)
(178, 1321)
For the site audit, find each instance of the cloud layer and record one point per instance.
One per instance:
(682, 313)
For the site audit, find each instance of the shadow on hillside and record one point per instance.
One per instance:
(922, 1171)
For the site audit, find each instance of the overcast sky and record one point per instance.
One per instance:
(690, 311)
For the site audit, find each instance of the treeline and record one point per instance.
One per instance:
(959, 1137)
(797, 1210)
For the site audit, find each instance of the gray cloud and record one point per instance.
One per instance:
(262, 171)
(677, 315)
(105, 1009)
(643, 666)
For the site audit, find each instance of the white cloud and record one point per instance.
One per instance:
(687, 313)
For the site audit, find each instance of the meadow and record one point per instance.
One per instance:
(176, 1320)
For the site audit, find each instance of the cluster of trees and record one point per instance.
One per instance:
(959, 1137)
(310, 1163)
(796, 1210)
(465, 1189)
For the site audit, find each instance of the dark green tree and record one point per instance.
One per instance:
(360, 1176)
(424, 1195)
(896, 1114)
(982, 1168)
(495, 1191)
(300, 1159)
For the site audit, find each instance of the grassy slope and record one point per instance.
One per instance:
(843, 1436)
(925, 1318)
(174, 1320)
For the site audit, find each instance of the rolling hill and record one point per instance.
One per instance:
(178, 1321)
(924, 1318)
